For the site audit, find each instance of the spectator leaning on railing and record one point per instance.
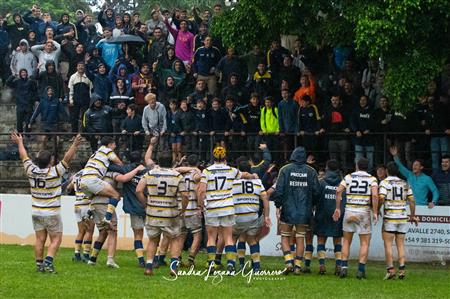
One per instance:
(441, 178)
(420, 183)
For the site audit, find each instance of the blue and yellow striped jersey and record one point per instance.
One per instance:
(395, 192)
(81, 199)
(246, 197)
(358, 189)
(45, 187)
(191, 187)
(98, 163)
(219, 179)
(163, 188)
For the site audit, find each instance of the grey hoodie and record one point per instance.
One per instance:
(43, 56)
(154, 120)
(23, 60)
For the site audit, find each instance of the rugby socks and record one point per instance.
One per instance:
(161, 258)
(111, 208)
(87, 248)
(338, 255)
(298, 262)
(256, 258)
(78, 245)
(173, 264)
(149, 264)
(362, 267)
(191, 258)
(241, 253)
(218, 259)
(230, 251)
(96, 250)
(139, 249)
(321, 253)
(401, 267)
(48, 260)
(211, 254)
(39, 262)
(344, 264)
(288, 258)
(389, 268)
(308, 254)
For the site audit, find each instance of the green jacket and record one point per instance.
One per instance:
(269, 120)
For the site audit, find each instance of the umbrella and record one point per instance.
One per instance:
(126, 39)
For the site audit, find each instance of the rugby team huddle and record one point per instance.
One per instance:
(231, 203)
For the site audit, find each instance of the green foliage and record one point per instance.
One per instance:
(56, 8)
(411, 36)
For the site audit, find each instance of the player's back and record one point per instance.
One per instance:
(359, 191)
(81, 199)
(219, 179)
(163, 186)
(45, 186)
(395, 193)
(98, 163)
(246, 198)
(191, 188)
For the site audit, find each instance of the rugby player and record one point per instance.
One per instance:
(362, 198)
(216, 199)
(297, 188)
(163, 186)
(324, 225)
(91, 181)
(394, 195)
(84, 222)
(45, 182)
(246, 196)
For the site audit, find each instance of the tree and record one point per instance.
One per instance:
(56, 8)
(411, 36)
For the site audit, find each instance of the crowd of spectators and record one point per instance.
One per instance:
(185, 87)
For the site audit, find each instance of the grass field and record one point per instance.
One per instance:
(18, 279)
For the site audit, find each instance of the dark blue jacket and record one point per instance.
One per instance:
(324, 225)
(174, 122)
(362, 119)
(308, 119)
(4, 40)
(33, 22)
(287, 116)
(25, 92)
(202, 121)
(131, 204)
(442, 181)
(132, 124)
(205, 59)
(297, 187)
(102, 85)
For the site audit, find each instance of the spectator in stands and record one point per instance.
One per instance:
(288, 121)
(269, 123)
(336, 123)
(142, 84)
(229, 64)
(349, 96)
(187, 118)
(290, 73)
(74, 53)
(200, 93)
(51, 50)
(34, 18)
(168, 91)
(184, 41)
(441, 178)
(26, 95)
(307, 87)
(235, 131)
(17, 31)
(47, 78)
(121, 98)
(22, 58)
(174, 129)
(219, 122)
(437, 124)
(97, 119)
(382, 124)
(80, 88)
(65, 26)
(132, 124)
(157, 47)
(110, 52)
(102, 85)
(204, 65)
(308, 123)
(252, 59)
(156, 21)
(4, 51)
(262, 82)
(275, 57)
(154, 119)
(401, 125)
(362, 124)
(202, 127)
(250, 116)
(50, 108)
(47, 23)
(420, 183)
(235, 90)
(106, 17)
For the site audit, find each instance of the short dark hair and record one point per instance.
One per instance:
(420, 161)
(380, 166)
(445, 157)
(240, 159)
(363, 164)
(192, 160)
(132, 107)
(333, 165)
(392, 169)
(43, 159)
(165, 160)
(257, 157)
(244, 166)
(254, 95)
(306, 98)
(107, 140)
(135, 157)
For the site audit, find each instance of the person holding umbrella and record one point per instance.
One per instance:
(110, 51)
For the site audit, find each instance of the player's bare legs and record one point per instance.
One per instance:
(162, 250)
(347, 241)
(212, 232)
(112, 247)
(41, 237)
(400, 242)
(286, 237)
(138, 246)
(151, 250)
(388, 239)
(98, 244)
(364, 241)
(219, 248)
